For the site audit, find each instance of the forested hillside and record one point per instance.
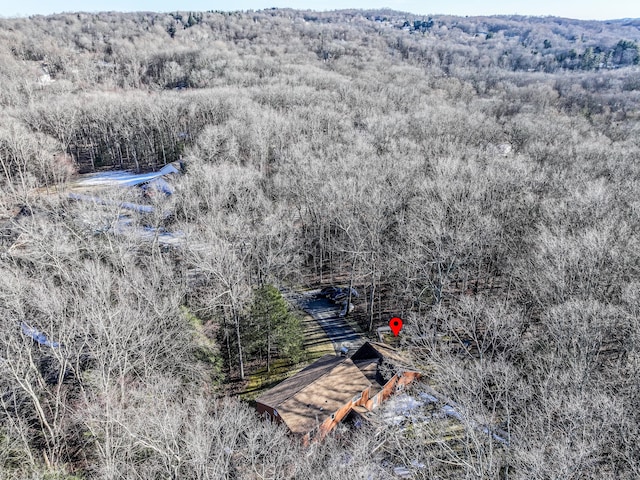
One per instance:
(476, 176)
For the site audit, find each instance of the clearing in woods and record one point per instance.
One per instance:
(316, 344)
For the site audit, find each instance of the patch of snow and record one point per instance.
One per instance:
(127, 205)
(449, 411)
(159, 185)
(401, 407)
(45, 79)
(402, 472)
(38, 336)
(428, 398)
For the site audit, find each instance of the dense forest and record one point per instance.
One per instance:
(476, 176)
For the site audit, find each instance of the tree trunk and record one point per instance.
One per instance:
(269, 349)
(373, 299)
(226, 335)
(236, 320)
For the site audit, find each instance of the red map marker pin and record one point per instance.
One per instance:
(396, 325)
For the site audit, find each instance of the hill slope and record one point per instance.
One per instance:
(475, 176)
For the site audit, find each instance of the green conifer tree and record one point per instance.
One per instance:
(277, 329)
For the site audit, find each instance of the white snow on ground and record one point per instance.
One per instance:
(124, 225)
(427, 397)
(401, 407)
(100, 201)
(122, 178)
(449, 411)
